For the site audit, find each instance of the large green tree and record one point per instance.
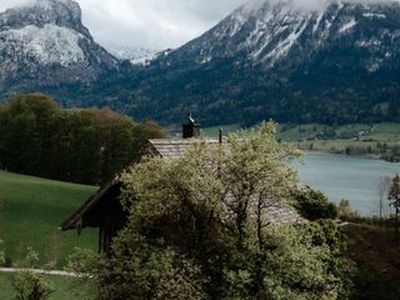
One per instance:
(199, 228)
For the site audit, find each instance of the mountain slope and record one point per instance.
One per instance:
(265, 33)
(337, 64)
(44, 44)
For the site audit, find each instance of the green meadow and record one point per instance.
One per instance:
(377, 139)
(214, 131)
(31, 211)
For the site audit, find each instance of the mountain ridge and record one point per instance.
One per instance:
(337, 64)
(282, 62)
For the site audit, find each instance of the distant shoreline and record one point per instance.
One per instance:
(361, 156)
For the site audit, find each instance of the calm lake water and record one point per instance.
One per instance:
(344, 177)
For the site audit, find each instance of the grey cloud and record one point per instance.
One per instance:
(148, 23)
(156, 24)
(153, 23)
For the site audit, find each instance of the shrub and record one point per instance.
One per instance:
(314, 205)
(31, 286)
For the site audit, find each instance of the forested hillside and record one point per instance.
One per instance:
(39, 138)
(271, 59)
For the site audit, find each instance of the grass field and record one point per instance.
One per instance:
(373, 139)
(381, 132)
(214, 131)
(31, 211)
(379, 140)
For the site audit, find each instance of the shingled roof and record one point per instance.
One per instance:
(173, 147)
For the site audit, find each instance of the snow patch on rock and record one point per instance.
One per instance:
(48, 45)
(348, 26)
(374, 15)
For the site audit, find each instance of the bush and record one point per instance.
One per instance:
(314, 205)
(31, 286)
(80, 261)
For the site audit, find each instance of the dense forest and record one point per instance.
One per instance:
(39, 138)
(251, 96)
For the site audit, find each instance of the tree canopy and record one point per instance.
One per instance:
(39, 138)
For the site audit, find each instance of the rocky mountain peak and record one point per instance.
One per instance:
(63, 13)
(265, 32)
(44, 43)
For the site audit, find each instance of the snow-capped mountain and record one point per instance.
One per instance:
(44, 43)
(276, 59)
(137, 56)
(264, 32)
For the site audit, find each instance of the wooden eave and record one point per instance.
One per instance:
(75, 220)
(156, 147)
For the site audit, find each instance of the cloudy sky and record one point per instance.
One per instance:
(156, 24)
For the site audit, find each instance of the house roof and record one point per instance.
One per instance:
(278, 212)
(174, 147)
(155, 147)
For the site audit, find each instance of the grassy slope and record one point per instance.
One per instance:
(31, 212)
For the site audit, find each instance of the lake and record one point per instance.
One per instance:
(347, 177)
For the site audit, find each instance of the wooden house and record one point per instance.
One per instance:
(104, 211)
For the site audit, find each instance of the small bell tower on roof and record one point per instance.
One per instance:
(191, 129)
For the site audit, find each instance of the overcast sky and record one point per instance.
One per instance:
(156, 24)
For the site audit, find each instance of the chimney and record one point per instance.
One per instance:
(190, 129)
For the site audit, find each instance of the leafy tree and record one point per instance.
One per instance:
(199, 228)
(394, 197)
(80, 145)
(345, 211)
(382, 186)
